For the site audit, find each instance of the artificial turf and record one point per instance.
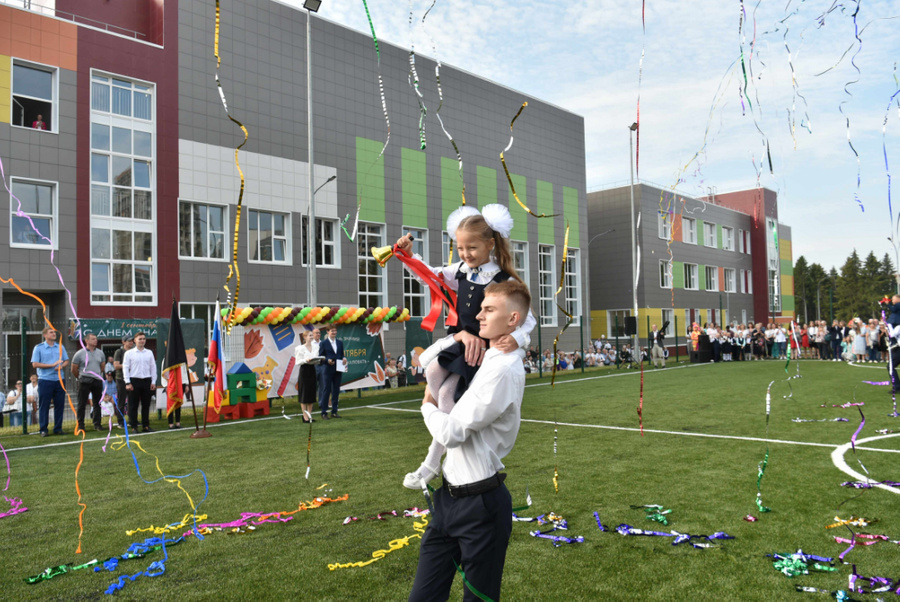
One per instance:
(709, 483)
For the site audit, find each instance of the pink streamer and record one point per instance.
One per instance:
(8, 471)
(16, 507)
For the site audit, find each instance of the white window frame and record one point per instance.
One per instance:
(727, 238)
(445, 248)
(412, 288)
(572, 283)
(287, 238)
(226, 256)
(322, 242)
(611, 324)
(668, 315)
(372, 239)
(729, 283)
(691, 276)
(747, 243)
(521, 252)
(709, 235)
(740, 241)
(709, 317)
(53, 216)
(54, 101)
(749, 282)
(664, 225)
(547, 285)
(101, 222)
(665, 274)
(712, 284)
(686, 231)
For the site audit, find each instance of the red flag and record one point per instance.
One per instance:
(216, 362)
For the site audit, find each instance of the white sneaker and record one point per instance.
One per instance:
(415, 480)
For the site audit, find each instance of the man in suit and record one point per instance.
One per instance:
(657, 343)
(333, 351)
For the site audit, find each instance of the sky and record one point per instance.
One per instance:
(820, 76)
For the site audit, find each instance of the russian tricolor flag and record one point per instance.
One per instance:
(216, 362)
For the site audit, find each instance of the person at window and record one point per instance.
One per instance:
(39, 123)
(50, 359)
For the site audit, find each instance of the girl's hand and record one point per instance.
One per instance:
(405, 242)
(506, 343)
(475, 347)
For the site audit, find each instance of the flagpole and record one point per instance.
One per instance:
(198, 434)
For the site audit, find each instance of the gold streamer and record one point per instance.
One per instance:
(508, 177)
(233, 269)
(188, 519)
(397, 544)
(122, 443)
(569, 317)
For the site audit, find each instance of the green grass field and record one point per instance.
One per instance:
(604, 465)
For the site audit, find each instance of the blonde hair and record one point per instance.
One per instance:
(478, 226)
(516, 294)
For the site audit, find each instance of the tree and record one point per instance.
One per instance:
(801, 288)
(851, 290)
(889, 274)
(819, 286)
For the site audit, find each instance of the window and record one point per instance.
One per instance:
(750, 282)
(747, 242)
(615, 322)
(689, 230)
(327, 235)
(445, 248)
(740, 241)
(690, 276)
(688, 322)
(34, 96)
(774, 297)
(573, 286)
(199, 311)
(123, 192)
(372, 282)
(520, 260)
(746, 278)
(665, 274)
(413, 290)
(727, 238)
(730, 287)
(36, 226)
(709, 234)
(710, 318)
(668, 315)
(712, 278)
(202, 230)
(665, 225)
(546, 281)
(771, 244)
(267, 236)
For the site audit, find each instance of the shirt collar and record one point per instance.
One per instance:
(486, 268)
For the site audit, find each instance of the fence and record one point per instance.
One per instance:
(11, 372)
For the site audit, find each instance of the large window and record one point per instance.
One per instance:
(615, 322)
(712, 278)
(267, 236)
(665, 274)
(327, 235)
(37, 226)
(201, 230)
(727, 238)
(747, 281)
(34, 96)
(520, 260)
(774, 297)
(413, 290)
(372, 282)
(730, 287)
(690, 276)
(709, 234)
(573, 286)
(123, 185)
(664, 225)
(689, 230)
(546, 281)
(668, 315)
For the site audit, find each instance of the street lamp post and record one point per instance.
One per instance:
(311, 6)
(634, 284)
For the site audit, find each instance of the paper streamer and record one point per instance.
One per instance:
(413, 79)
(512, 187)
(765, 461)
(393, 546)
(233, 269)
(8, 470)
(15, 507)
(569, 317)
(845, 101)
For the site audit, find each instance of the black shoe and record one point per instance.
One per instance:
(98, 427)
(45, 434)
(324, 416)
(147, 429)
(59, 432)
(336, 416)
(305, 421)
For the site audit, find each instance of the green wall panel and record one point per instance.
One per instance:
(414, 188)
(677, 274)
(486, 181)
(451, 188)
(370, 179)
(545, 205)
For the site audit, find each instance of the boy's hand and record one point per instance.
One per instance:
(506, 343)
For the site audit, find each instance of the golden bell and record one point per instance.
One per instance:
(382, 254)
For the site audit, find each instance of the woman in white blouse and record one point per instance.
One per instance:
(307, 387)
